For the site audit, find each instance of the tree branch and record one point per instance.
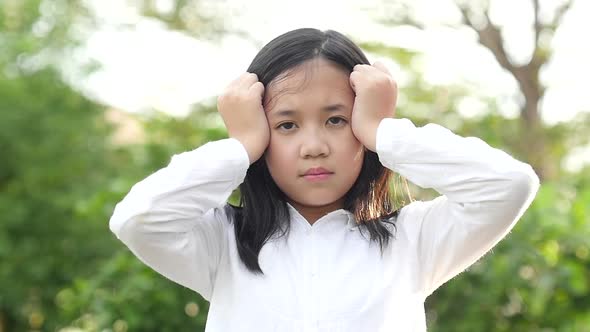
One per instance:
(560, 12)
(537, 24)
(490, 37)
(539, 58)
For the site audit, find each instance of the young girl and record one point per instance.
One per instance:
(315, 244)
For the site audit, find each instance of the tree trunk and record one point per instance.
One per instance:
(534, 146)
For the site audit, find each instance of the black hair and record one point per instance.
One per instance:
(263, 212)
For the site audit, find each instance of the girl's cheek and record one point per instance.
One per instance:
(282, 146)
(275, 139)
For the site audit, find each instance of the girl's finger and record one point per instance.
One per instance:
(248, 79)
(257, 88)
(241, 81)
(352, 79)
(381, 67)
(236, 81)
(361, 67)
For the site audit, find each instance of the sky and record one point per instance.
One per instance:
(151, 67)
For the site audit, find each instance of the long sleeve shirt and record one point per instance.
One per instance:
(327, 276)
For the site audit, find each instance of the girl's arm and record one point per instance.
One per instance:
(484, 192)
(168, 221)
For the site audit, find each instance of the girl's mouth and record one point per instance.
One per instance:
(317, 177)
(317, 174)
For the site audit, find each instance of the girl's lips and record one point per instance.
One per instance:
(316, 171)
(317, 177)
(317, 174)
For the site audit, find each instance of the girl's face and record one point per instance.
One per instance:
(309, 112)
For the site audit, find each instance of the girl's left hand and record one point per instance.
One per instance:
(376, 96)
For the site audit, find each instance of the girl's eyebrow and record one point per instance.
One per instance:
(291, 112)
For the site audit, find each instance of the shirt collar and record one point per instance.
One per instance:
(341, 214)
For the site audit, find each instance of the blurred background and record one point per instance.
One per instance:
(96, 95)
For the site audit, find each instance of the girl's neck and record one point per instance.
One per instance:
(312, 213)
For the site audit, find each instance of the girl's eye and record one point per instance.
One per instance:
(286, 125)
(336, 121)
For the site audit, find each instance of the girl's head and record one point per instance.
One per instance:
(308, 103)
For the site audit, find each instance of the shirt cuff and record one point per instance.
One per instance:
(240, 160)
(226, 156)
(390, 139)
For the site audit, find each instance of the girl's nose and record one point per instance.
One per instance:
(314, 145)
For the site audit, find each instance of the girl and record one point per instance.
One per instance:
(315, 243)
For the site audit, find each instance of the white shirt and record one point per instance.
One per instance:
(326, 276)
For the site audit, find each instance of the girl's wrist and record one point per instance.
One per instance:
(367, 135)
(253, 147)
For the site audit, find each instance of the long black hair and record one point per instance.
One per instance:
(263, 212)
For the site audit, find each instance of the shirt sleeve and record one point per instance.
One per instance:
(484, 192)
(169, 220)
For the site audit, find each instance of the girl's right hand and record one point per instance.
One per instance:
(241, 109)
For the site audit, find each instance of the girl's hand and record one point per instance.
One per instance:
(241, 108)
(376, 96)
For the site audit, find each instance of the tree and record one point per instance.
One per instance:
(476, 16)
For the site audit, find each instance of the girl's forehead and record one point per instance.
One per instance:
(312, 77)
(311, 70)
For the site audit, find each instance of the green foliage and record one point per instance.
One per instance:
(53, 158)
